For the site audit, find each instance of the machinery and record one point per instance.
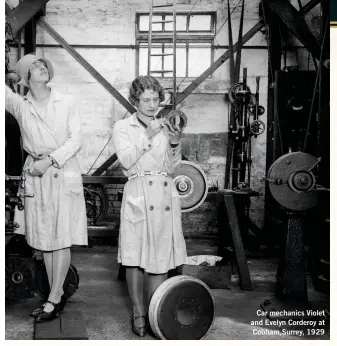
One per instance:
(25, 271)
(292, 183)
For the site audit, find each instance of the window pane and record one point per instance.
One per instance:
(156, 61)
(142, 61)
(200, 23)
(180, 23)
(199, 59)
(180, 61)
(144, 23)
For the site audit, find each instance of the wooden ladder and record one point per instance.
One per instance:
(152, 37)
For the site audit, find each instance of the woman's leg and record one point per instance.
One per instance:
(48, 262)
(135, 282)
(61, 264)
(153, 282)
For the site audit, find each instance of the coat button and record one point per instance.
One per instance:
(56, 175)
(150, 182)
(151, 207)
(167, 208)
(165, 184)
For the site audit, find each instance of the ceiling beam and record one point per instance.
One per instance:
(295, 22)
(21, 14)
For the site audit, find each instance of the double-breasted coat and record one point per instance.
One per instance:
(55, 217)
(150, 234)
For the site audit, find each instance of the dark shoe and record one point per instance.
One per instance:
(49, 316)
(37, 311)
(140, 331)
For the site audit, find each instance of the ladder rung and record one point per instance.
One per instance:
(167, 5)
(161, 71)
(161, 54)
(162, 21)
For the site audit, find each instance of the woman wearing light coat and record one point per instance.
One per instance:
(55, 218)
(151, 238)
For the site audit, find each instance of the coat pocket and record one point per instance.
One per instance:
(134, 209)
(73, 184)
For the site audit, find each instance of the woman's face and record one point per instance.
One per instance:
(148, 103)
(38, 72)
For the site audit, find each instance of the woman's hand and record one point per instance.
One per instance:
(39, 168)
(173, 132)
(155, 126)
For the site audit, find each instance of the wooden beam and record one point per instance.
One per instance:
(309, 6)
(22, 13)
(101, 169)
(30, 39)
(295, 22)
(87, 66)
(187, 91)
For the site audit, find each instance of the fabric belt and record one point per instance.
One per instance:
(143, 174)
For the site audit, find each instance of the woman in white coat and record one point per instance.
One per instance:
(55, 218)
(151, 238)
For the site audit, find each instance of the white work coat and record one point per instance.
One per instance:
(55, 217)
(151, 235)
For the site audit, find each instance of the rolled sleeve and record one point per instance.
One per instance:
(172, 158)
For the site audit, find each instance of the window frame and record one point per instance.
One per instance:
(183, 36)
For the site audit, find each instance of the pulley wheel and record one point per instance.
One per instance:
(70, 285)
(182, 308)
(257, 127)
(19, 278)
(96, 202)
(291, 182)
(191, 183)
(234, 92)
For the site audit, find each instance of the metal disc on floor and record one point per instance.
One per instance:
(182, 308)
(70, 285)
(191, 183)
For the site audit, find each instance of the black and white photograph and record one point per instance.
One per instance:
(167, 169)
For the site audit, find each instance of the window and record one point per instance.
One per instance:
(194, 40)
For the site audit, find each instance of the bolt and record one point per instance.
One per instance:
(288, 162)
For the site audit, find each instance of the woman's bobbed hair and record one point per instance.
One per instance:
(142, 83)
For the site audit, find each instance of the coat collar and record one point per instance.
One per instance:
(134, 121)
(54, 96)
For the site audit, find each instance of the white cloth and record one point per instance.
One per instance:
(151, 235)
(55, 217)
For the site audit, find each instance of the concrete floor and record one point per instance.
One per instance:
(106, 306)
